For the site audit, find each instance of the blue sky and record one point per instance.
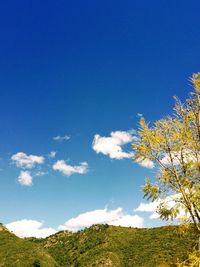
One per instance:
(79, 69)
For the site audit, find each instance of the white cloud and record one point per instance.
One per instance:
(129, 221)
(117, 217)
(147, 207)
(112, 145)
(52, 154)
(187, 156)
(61, 138)
(170, 202)
(177, 157)
(166, 160)
(147, 163)
(24, 161)
(25, 178)
(154, 215)
(150, 208)
(102, 216)
(29, 228)
(68, 170)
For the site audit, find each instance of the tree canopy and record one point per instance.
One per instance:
(172, 144)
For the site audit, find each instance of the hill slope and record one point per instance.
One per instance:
(100, 246)
(103, 245)
(16, 252)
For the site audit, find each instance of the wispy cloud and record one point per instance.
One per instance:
(68, 170)
(40, 173)
(59, 138)
(22, 160)
(52, 154)
(25, 178)
(112, 145)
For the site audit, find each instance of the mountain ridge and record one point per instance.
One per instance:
(100, 245)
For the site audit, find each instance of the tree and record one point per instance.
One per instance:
(172, 144)
(36, 263)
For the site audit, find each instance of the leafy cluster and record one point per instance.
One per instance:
(173, 145)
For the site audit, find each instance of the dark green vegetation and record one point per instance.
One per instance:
(100, 245)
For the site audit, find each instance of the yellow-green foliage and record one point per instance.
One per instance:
(193, 260)
(173, 145)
